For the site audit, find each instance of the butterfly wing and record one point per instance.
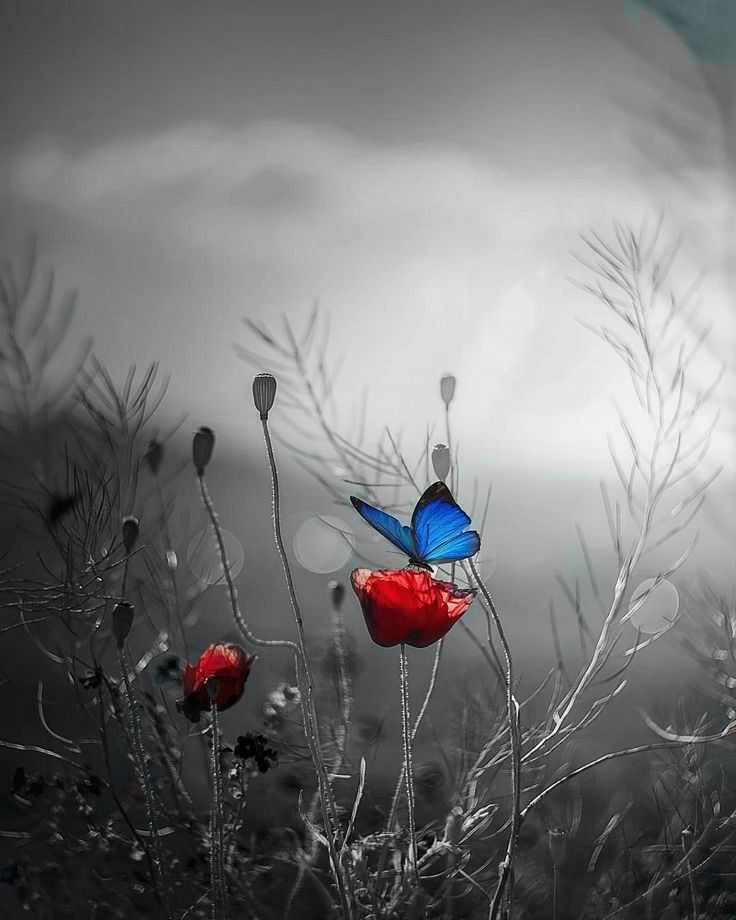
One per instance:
(386, 525)
(438, 527)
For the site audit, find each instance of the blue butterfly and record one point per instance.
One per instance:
(437, 534)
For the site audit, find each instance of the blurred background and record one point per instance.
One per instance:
(423, 171)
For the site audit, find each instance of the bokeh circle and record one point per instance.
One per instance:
(659, 607)
(323, 544)
(204, 559)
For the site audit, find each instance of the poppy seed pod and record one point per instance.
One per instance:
(441, 461)
(337, 593)
(202, 447)
(131, 529)
(447, 389)
(264, 393)
(154, 455)
(557, 839)
(122, 621)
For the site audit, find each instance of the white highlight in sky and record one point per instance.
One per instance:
(323, 544)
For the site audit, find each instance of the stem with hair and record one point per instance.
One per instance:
(400, 782)
(217, 867)
(140, 762)
(408, 766)
(512, 707)
(232, 591)
(311, 724)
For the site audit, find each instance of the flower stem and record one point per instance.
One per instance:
(408, 766)
(140, 762)
(512, 706)
(217, 867)
(400, 782)
(240, 620)
(309, 713)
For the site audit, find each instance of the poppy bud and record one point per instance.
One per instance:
(218, 677)
(441, 461)
(557, 840)
(122, 621)
(264, 393)
(202, 447)
(337, 593)
(131, 529)
(447, 389)
(154, 455)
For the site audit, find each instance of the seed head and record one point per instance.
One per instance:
(122, 621)
(441, 461)
(131, 530)
(264, 393)
(447, 389)
(202, 447)
(557, 839)
(337, 593)
(154, 455)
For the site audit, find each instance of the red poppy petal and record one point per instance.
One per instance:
(408, 605)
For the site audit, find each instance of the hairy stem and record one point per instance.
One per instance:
(408, 765)
(232, 591)
(144, 778)
(309, 713)
(513, 719)
(217, 866)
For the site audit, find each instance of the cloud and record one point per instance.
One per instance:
(437, 257)
(283, 187)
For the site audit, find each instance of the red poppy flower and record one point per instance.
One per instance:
(226, 661)
(408, 605)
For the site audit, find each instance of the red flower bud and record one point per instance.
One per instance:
(220, 673)
(202, 447)
(408, 605)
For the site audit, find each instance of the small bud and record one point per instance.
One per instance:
(686, 838)
(337, 593)
(447, 389)
(154, 455)
(441, 461)
(202, 447)
(264, 393)
(557, 839)
(131, 529)
(122, 621)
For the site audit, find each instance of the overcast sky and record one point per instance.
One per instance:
(423, 168)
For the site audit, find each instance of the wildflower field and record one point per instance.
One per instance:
(198, 725)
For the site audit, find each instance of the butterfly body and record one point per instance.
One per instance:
(437, 534)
